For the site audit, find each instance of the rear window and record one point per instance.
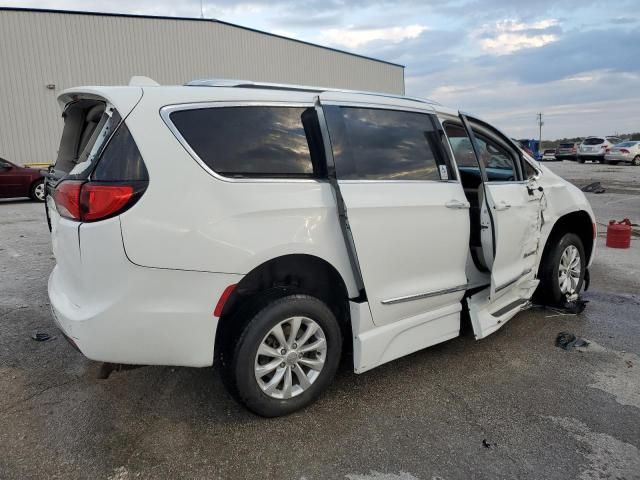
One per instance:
(566, 145)
(593, 141)
(626, 144)
(251, 141)
(549, 151)
(376, 144)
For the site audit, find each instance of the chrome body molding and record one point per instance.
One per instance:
(418, 296)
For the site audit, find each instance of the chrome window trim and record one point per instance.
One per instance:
(425, 110)
(167, 110)
(420, 296)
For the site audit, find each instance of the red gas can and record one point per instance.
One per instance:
(619, 234)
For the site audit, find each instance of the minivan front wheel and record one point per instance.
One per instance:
(286, 356)
(563, 269)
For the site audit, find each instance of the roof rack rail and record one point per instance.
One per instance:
(225, 82)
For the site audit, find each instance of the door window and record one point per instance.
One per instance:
(377, 144)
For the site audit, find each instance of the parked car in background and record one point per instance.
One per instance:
(624, 152)
(548, 154)
(595, 148)
(240, 223)
(567, 151)
(16, 181)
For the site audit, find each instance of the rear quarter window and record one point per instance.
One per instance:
(251, 141)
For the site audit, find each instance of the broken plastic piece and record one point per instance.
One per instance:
(575, 306)
(568, 341)
(41, 336)
(594, 187)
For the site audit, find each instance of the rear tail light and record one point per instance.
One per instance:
(573, 150)
(624, 150)
(93, 201)
(67, 199)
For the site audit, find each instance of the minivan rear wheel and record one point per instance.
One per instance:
(286, 356)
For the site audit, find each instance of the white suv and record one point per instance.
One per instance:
(595, 148)
(272, 228)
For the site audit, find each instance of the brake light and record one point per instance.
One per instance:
(92, 201)
(67, 199)
(624, 150)
(573, 149)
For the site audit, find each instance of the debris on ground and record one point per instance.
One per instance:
(594, 187)
(486, 444)
(107, 368)
(576, 306)
(41, 337)
(568, 341)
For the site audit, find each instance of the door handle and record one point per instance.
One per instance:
(502, 206)
(457, 204)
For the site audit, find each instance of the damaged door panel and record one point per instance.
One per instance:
(511, 221)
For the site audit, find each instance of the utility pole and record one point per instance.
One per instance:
(201, 10)
(540, 123)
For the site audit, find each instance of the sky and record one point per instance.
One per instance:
(576, 61)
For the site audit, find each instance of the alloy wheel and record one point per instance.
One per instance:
(290, 357)
(38, 192)
(569, 270)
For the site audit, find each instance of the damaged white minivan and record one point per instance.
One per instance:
(273, 228)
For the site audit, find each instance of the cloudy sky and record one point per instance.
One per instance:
(577, 61)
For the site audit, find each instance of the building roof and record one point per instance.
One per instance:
(211, 20)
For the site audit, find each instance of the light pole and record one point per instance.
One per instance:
(540, 123)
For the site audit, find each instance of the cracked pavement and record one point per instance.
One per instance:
(543, 412)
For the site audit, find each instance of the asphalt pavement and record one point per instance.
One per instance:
(510, 406)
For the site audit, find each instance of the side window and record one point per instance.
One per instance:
(496, 160)
(377, 144)
(252, 141)
(529, 170)
(461, 146)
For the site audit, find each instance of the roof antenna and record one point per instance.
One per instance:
(201, 10)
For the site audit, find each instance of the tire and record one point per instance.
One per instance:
(37, 192)
(260, 395)
(550, 290)
(600, 160)
(636, 161)
(580, 159)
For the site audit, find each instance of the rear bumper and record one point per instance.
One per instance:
(160, 318)
(116, 311)
(617, 158)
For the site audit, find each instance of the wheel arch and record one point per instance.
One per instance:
(578, 222)
(278, 277)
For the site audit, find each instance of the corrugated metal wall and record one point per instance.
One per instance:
(65, 49)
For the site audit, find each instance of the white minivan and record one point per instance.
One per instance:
(274, 228)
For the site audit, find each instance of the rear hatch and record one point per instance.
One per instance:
(98, 174)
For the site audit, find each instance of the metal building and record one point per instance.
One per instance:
(42, 52)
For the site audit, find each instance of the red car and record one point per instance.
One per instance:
(18, 181)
